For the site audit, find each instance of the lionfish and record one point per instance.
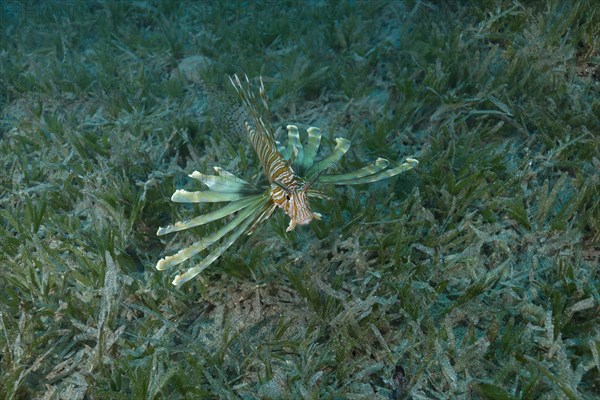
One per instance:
(291, 172)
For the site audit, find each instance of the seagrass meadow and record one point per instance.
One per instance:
(475, 275)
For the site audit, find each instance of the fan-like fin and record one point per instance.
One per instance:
(294, 141)
(208, 217)
(206, 196)
(261, 216)
(379, 165)
(318, 194)
(225, 173)
(203, 243)
(409, 164)
(341, 147)
(292, 156)
(282, 150)
(223, 182)
(244, 222)
(312, 146)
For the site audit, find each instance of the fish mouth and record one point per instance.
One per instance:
(307, 217)
(302, 216)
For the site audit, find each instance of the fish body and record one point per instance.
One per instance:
(287, 190)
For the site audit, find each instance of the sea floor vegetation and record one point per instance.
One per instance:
(476, 275)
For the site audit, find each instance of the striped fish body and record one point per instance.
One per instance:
(287, 190)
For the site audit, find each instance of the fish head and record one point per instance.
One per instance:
(293, 199)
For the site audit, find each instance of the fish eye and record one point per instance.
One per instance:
(287, 197)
